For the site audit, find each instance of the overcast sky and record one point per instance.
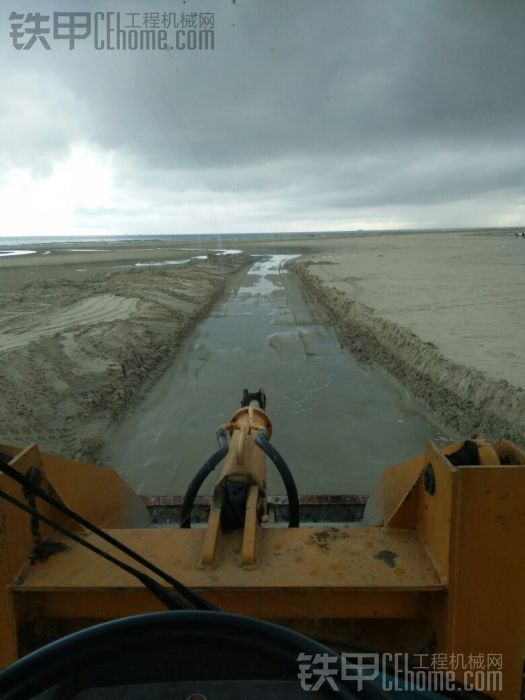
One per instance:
(307, 115)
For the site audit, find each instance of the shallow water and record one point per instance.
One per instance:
(10, 253)
(337, 422)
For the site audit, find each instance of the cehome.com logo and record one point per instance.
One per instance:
(397, 672)
(114, 31)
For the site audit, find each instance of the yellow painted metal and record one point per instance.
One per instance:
(435, 514)
(473, 527)
(444, 545)
(8, 621)
(16, 544)
(244, 459)
(212, 532)
(505, 448)
(319, 558)
(484, 611)
(95, 492)
(244, 462)
(251, 530)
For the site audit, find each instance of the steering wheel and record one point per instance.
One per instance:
(181, 654)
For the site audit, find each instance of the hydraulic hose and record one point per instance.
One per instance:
(169, 598)
(269, 450)
(196, 600)
(198, 480)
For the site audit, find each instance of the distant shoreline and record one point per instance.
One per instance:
(6, 241)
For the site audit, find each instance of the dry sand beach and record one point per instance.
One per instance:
(443, 312)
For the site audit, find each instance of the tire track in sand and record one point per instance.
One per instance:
(102, 308)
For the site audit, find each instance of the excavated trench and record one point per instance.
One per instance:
(337, 421)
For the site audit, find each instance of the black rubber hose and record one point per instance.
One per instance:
(168, 597)
(197, 482)
(22, 479)
(286, 475)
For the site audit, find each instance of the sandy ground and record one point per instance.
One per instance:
(266, 331)
(83, 332)
(445, 313)
(85, 329)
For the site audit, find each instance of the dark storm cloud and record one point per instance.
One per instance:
(307, 106)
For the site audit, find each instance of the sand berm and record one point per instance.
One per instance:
(463, 396)
(76, 352)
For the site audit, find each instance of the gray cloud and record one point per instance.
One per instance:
(306, 110)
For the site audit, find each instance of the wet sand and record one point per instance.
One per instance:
(337, 421)
(86, 330)
(83, 332)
